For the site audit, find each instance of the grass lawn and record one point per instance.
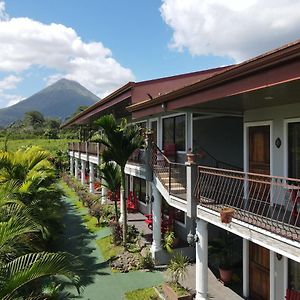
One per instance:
(142, 294)
(108, 249)
(50, 145)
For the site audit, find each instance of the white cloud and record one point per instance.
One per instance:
(6, 84)
(26, 43)
(233, 28)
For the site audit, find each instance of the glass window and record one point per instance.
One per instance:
(294, 275)
(294, 150)
(174, 132)
(139, 188)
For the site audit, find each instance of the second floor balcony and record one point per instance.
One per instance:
(267, 202)
(90, 148)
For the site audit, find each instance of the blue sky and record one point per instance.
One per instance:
(105, 43)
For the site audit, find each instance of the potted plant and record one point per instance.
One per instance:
(222, 249)
(226, 214)
(170, 241)
(177, 269)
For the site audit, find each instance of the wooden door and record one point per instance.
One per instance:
(259, 267)
(259, 163)
(259, 196)
(259, 149)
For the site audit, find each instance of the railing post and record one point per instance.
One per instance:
(170, 179)
(148, 153)
(191, 174)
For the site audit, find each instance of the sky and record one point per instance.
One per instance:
(103, 44)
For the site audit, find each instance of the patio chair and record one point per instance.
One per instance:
(292, 295)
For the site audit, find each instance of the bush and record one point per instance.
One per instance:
(96, 211)
(116, 231)
(147, 261)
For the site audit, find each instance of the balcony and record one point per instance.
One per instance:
(267, 202)
(171, 174)
(137, 157)
(86, 147)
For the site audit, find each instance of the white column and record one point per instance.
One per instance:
(202, 261)
(122, 204)
(245, 268)
(72, 165)
(83, 166)
(285, 275)
(272, 275)
(76, 168)
(92, 177)
(156, 217)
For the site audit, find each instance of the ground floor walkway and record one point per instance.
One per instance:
(96, 276)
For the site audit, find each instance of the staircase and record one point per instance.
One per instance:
(170, 174)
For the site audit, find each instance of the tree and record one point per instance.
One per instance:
(111, 174)
(34, 118)
(120, 141)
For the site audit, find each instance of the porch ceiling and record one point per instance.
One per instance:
(286, 93)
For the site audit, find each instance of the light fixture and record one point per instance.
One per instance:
(163, 106)
(269, 98)
(192, 238)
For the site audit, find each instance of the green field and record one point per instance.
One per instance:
(51, 145)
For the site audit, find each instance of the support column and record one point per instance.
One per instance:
(72, 165)
(92, 177)
(156, 217)
(202, 261)
(76, 168)
(272, 275)
(245, 268)
(285, 275)
(83, 166)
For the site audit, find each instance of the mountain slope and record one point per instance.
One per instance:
(58, 100)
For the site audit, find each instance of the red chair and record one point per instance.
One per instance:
(292, 295)
(170, 151)
(132, 202)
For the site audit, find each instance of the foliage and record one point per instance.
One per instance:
(168, 241)
(30, 214)
(147, 261)
(96, 211)
(142, 294)
(177, 267)
(116, 231)
(111, 174)
(222, 248)
(120, 141)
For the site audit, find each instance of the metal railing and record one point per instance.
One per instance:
(137, 157)
(172, 175)
(268, 202)
(86, 147)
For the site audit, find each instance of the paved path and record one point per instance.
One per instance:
(216, 290)
(99, 281)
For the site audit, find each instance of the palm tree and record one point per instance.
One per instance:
(111, 174)
(120, 141)
(30, 267)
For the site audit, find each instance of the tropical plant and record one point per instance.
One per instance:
(120, 141)
(30, 267)
(177, 267)
(222, 248)
(168, 241)
(111, 175)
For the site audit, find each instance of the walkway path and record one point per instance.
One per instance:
(99, 281)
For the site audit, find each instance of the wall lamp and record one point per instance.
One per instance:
(192, 238)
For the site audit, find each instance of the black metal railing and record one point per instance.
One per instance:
(268, 202)
(171, 174)
(137, 157)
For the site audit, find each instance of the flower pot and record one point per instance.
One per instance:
(226, 214)
(171, 294)
(225, 275)
(191, 158)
